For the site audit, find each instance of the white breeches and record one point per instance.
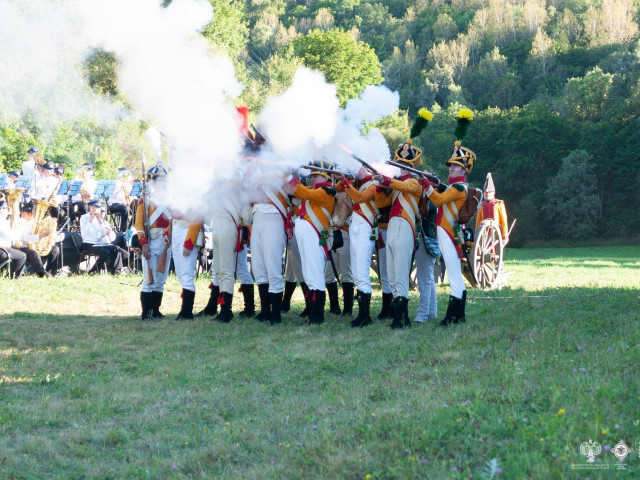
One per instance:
(382, 262)
(428, 303)
(224, 235)
(452, 262)
(159, 278)
(268, 242)
(362, 248)
(185, 265)
(312, 255)
(400, 244)
(342, 259)
(293, 264)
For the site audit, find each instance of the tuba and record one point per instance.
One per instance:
(42, 221)
(12, 197)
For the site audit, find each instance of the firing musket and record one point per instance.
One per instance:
(145, 201)
(361, 161)
(431, 177)
(325, 170)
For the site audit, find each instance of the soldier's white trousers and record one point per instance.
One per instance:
(159, 278)
(452, 262)
(268, 242)
(428, 303)
(225, 236)
(185, 265)
(382, 262)
(293, 265)
(312, 255)
(362, 248)
(400, 244)
(342, 260)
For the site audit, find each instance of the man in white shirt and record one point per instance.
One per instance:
(98, 237)
(12, 179)
(118, 199)
(29, 166)
(45, 186)
(7, 238)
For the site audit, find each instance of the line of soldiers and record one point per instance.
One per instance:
(297, 221)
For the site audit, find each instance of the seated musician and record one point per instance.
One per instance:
(117, 201)
(12, 180)
(25, 226)
(79, 201)
(98, 237)
(7, 238)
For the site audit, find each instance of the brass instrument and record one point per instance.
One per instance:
(12, 197)
(42, 221)
(126, 179)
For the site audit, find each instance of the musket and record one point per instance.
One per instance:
(145, 201)
(431, 177)
(364, 164)
(325, 170)
(509, 232)
(161, 266)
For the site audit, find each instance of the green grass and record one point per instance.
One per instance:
(87, 390)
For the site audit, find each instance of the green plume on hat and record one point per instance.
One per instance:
(422, 119)
(464, 119)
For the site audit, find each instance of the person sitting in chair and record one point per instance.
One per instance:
(98, 237)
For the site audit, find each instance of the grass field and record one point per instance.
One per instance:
(87, 390)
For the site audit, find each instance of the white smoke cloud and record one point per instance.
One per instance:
(42, 55)
(170, 79)
(306, 123)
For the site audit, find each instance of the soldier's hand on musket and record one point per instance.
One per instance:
(167, 241)
(425, 183)
(146, 251)
(339, 177)
(186, 252)
(378, 178)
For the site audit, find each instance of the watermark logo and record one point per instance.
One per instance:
(621, 451)
(590, 449)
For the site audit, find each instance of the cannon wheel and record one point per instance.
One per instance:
(487, 253)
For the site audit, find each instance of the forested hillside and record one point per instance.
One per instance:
(554, 85)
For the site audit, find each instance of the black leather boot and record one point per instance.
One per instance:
(289, 288)
(225, 301)
(452, 312)
(460, 310)
(186, 311)
(276, 302)
(212, 305)
(265, 307)
(249, 303)
(316, 307)
(364, 302)
(157, 301)
(347, 298)
(386, 311)
(399, 309)
(334, 303)
(307, 294)
(146, 301)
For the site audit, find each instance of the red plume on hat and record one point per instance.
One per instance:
(243, 120)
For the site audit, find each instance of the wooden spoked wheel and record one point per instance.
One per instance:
(487, 253)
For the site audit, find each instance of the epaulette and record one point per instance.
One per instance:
(458, 186)
(330, 191)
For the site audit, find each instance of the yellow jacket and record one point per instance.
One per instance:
(454, 194)
(161, 222)
(317, 198)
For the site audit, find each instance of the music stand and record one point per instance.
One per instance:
(64, 187)
(24, 182)
(136, 189)
(73, 189)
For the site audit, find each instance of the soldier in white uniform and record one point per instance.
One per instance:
(185, 246)
(159, 220)
(271, 228)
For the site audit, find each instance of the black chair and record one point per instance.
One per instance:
(84, 256)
